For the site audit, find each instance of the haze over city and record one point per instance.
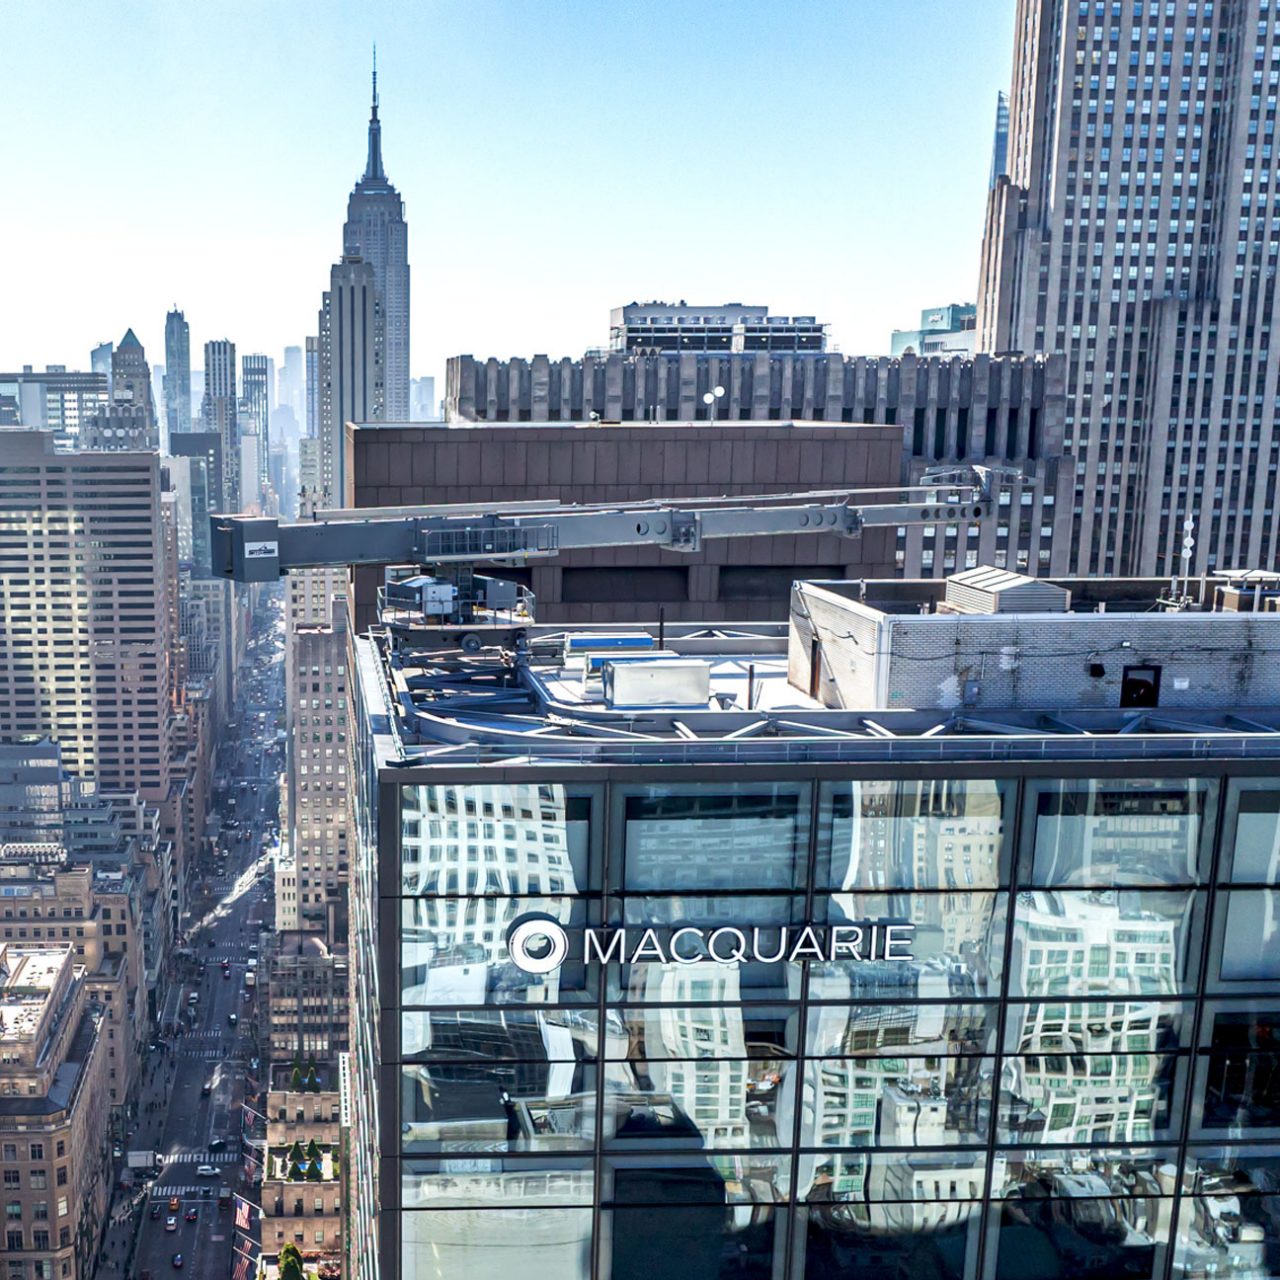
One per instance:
(545, 153)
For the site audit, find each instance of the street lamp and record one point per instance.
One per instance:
(710, 398)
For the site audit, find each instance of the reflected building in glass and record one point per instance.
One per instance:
(625, 1005)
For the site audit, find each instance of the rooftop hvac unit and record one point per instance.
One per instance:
(988, 590)
(662, 682)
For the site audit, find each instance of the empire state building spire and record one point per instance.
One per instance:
(373, 167)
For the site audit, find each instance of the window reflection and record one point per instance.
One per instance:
(939, 833)
(736, 836)
(958, 947)
(692, 1241)
(495, 1181)
(1097, 1026)
(514, 1106)
(893, 1102)
(1104, 941)
(842, 1238)
(494, 839)
(486, 1035)
(1076, 1097)
(699, 1103)
(1242, 1073)
(1251, 938)
(1229, 1220)
(1117, 832)
(482, 1244)
(454, 952)
(871, 1029)
(1255, 857)
(707, 1031)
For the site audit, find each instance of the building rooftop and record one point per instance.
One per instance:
(29, 979)
(985, 665)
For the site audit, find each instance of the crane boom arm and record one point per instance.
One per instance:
(261, 549)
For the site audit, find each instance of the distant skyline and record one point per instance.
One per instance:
(556, 160)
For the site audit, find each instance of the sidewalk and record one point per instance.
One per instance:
(115, 1258)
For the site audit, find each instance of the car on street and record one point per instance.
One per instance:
(206, 1089)
(174, 1204)
(206, 1171)
(217, 1144)
(233, 1018)
(177, 1261)
(171, 1223)
(155, 1211)
(192, 1214)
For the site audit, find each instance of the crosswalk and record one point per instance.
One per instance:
(165, 1191)
(200, 1157)
(213, 1054)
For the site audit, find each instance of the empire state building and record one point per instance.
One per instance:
(376, 231)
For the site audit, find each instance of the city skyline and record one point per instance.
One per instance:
(495, 259)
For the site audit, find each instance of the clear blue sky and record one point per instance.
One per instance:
(557, 158)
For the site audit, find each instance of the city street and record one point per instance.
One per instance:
(200, 1046)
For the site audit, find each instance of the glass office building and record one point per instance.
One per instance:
(631, 1012)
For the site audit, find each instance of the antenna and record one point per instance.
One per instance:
(375, 77)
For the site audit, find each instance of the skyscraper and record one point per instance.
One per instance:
(1136, 232)
(376, 231)
(256, 386)
(177, 372)
(219, 412)
(100, 361)
(351, 365)
(1000, 140)
(129, 421)
(292, 389)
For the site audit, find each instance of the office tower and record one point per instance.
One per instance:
(714, 1052)
(219, 412)
(177, 378)
(1133, 233)
(292, 383)
(312, 419)
(423, 406)
(257, 387)
(129, 421)
(55, 1145)
(317, 697)
(204, 448)
(85, 596)
(351, 368)
(943, 331)
(1000, 141)
(1002, 411)
(100, 361)
(647, 327)
(52, 400)
(376, 231)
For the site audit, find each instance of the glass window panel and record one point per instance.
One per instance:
(896, 1102)
(845, 1239)
(940, 833)
(1229, 1217)
(487, 1107)
(1102, 942)
(1255, 849)
(699, 1104)
(1090, 1098)
(542, 1243)
(715, 836)
(1097, 1026)
(707, 1031)
(855, 1030)
(759, 921)
(706, 1241)
(454, 952)
(957, 945)
(754, 1177)
(1240, 1073)
(1117, 832)
(494, 838)
(1066, 1233)
(1102, 1172)
(500, 1181)
(1251, 936)
(893, 1176)
(513, 1033)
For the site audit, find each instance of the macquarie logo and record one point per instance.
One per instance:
(539, 944)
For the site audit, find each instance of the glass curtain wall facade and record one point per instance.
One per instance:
(1077, 1073)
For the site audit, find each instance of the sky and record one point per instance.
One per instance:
(557, 158)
